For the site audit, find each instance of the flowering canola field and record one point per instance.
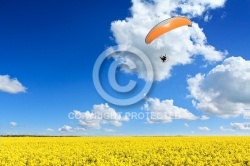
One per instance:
(127, 151)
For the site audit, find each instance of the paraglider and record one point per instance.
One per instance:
(166, 26)
(163, 58)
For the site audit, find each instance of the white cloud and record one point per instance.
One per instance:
(197, 8)
(185, 124)
(180, 45)
(225, 129)
(203, 128)
(240, 126)
(165, 111)
(101, 114)
(246, 114)
(224, 91)
(204, 117)
(109, 130)
(89, 120)
(49, 129)
(207, 17)
(13, 124)
(10, 85)
(66, 128)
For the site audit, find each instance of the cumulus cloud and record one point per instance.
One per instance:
(165, 111)
(203, 128)
(66, 128)
(13, 124)
(10, 85)
(204, 117)
(49, 129)
(241, 126)
(197, 8)
(224, 91)
(180, 45)
(101, 114)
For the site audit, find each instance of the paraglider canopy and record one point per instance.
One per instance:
(166, 26)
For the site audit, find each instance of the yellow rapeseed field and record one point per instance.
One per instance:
(127, 151)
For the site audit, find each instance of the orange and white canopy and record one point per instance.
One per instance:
(166, 26)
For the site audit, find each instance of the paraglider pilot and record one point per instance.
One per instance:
(163, 58)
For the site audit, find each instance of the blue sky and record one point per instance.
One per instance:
(48, 50)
